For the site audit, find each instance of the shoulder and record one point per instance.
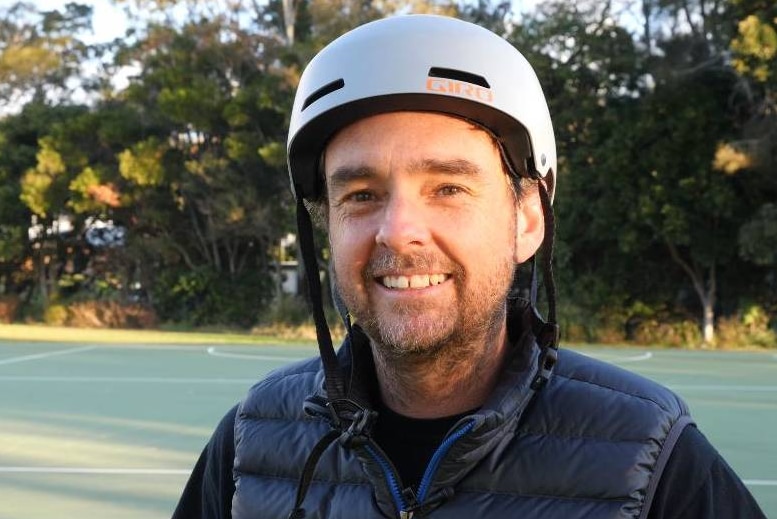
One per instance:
(589, 398)
(601, 380)
(282, 392)
(697, 482)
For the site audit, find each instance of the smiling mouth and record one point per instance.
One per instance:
(412, 282)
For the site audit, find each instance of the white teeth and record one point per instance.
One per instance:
(419, 281)
(415, 281)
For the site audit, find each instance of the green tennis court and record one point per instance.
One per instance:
(113, 430)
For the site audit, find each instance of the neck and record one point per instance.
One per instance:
(448, 384)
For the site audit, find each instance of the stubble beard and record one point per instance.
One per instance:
(419, 333)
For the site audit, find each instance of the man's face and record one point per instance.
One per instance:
(422, 223)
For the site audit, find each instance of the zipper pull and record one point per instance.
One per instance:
(411, 504)
(427, 506)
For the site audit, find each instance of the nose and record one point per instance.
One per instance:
(404, 225)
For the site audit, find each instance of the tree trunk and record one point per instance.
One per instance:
(289, 19)
(706, 291)
(647, 12)
(708, 327)
(708, 305)
(42, 282)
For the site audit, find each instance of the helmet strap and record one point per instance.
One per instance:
(546, 331)
(334, 379)
(534, 282)
(548, 245)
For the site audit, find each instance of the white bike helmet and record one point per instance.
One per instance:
(421, 63)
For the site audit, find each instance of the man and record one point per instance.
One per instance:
(425, 145)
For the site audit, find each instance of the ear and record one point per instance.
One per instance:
(529, 225)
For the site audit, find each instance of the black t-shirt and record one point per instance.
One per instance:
(696, 483)
(410, 451)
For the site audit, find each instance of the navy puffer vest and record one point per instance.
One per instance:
(591, 444)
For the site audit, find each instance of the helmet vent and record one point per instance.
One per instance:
(323, 91)
(458, 75)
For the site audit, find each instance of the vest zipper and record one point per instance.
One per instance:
(442, 450)
(389, 471)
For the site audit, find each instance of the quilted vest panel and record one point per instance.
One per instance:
(586, 446)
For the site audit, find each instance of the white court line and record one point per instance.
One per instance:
(760, 482)
(130, 380)
(634, 358)
(213, 351)
(36, 356)
(82, 470)
(185, 472)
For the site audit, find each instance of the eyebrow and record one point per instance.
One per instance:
(462, 167)
(346, 174)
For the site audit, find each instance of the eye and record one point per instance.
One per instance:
(359, 196)
(449, 190)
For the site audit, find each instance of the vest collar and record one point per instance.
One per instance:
(493, 424)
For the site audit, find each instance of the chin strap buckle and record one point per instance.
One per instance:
(547, 339)
(351, 420)
(356, 434)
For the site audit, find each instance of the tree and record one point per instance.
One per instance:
(754, 49)
(218, 98)
(20, 135)
(641, 120)
(39, 52)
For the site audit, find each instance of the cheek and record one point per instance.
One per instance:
(485, 230)
(486, 244)
(351, 247)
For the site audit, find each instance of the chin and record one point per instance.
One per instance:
(417, 338)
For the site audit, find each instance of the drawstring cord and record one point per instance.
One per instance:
(355, 434)
(307, 473)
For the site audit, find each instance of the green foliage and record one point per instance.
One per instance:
(11, 241)
(758, 237)
(142, 164)
(286, 310)
(9, 308)
(89, 194)
(747, 328)
(40, 182)
(203, 297)
(20, 135)
(39, 50)
(273, 153)
(667, 333)
(56, 315)
(755, 48)
(110, 314)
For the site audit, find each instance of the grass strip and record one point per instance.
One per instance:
(42, 333)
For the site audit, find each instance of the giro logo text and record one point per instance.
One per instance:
(460, 88)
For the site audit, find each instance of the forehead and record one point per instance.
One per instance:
(409, 135)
